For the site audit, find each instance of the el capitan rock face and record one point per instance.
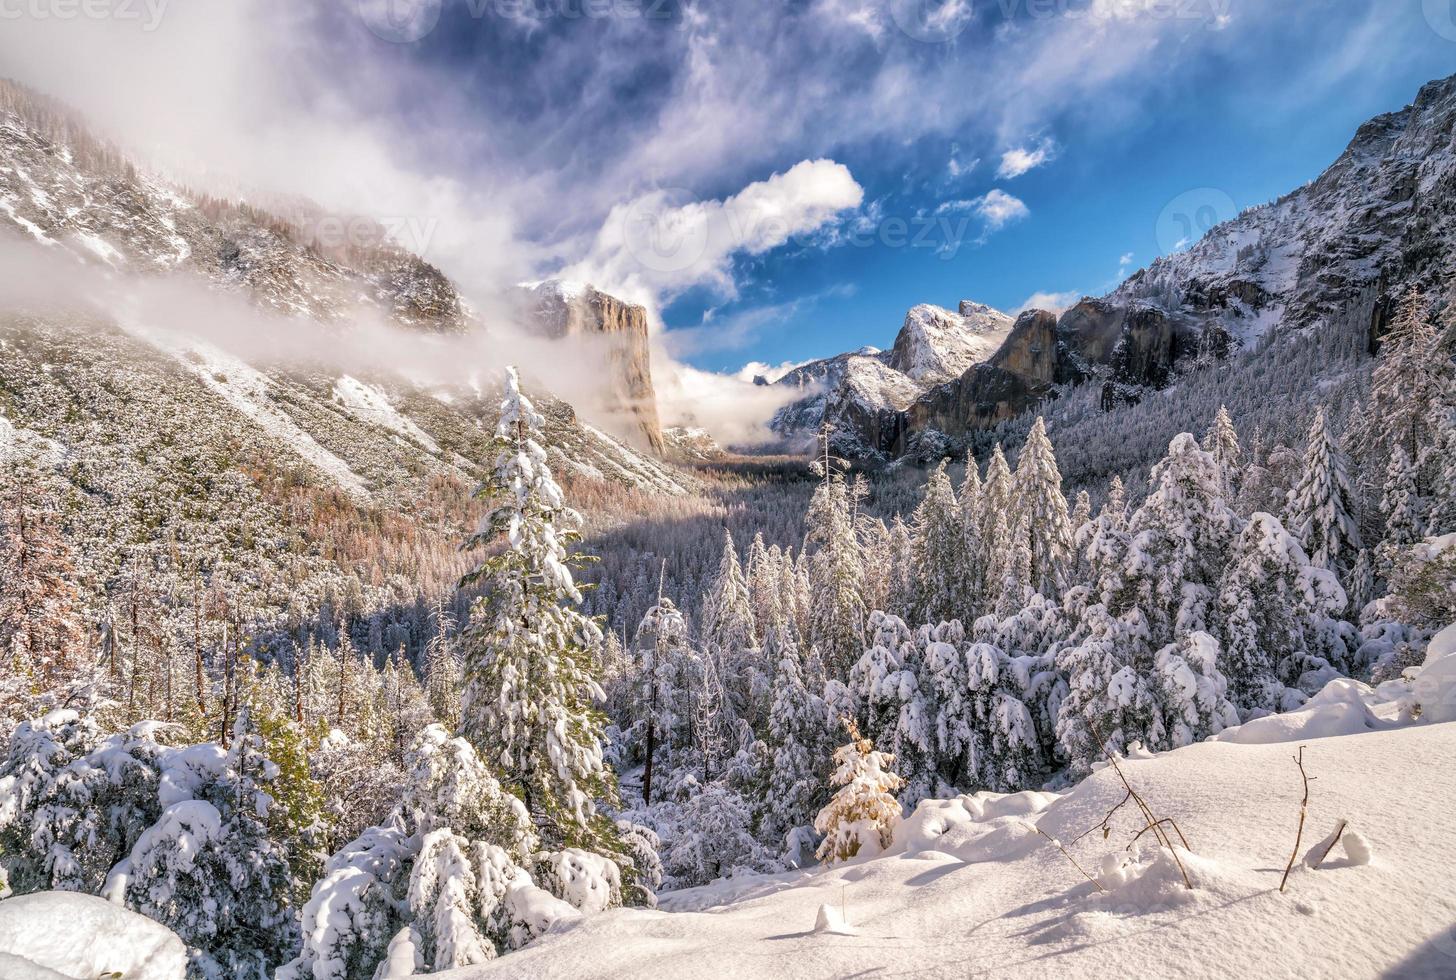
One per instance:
(558, 309)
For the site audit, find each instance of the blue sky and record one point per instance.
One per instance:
(795, 150)
(1127, 104)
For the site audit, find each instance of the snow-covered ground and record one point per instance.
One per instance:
(970, 888)
(67, 935)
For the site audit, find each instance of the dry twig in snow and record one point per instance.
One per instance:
(1303, 809)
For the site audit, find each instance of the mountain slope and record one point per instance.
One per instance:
(191, 459)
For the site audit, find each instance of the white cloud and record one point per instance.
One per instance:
(656, 246)
(1019, 160)
(998, 209)
(769, 372)
(735, 410)
(1054, 302)
(957, 166)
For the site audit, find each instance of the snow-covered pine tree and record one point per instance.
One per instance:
(1401, 505)
(1321, 507)
(893, 697)
(1272, 607)
(995, 492)
(1110, 701)
(765, 585)
(208, 869)
(1222, 443)
(1013, 570)
(1193, 691)
(860, 819)
(938, 547)
(837, 613)
(440, 884)
(448, 785)
(1441, 513)
(797, 736)
(662, 679)
(902, 585)
(1403, 384)
(443, 675)
(711, 716)
(970, 493)
(727, 617)
(716, 839)
(971, 503)
(73, 801)
(1179, 541)
(529, 696)
(1038, 503)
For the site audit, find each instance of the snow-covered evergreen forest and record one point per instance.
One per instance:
(760, 677)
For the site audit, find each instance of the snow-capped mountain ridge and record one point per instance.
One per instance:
(1380, 219)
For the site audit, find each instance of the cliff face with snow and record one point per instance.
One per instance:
(1380, 219)
(561, 309)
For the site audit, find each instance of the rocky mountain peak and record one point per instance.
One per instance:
(936, 345)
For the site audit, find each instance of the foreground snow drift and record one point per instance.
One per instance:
(969, 886)
(65, 934)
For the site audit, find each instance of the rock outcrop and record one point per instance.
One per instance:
(558, 309)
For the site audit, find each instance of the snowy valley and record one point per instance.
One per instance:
(356, 628)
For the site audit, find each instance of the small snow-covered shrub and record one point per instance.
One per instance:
(861, 818)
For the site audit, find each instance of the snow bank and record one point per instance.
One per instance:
(964, 891)
(1434, 688)
(972, 828)
(83, 936)
(1342, 707)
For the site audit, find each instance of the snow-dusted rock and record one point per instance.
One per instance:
(936, 345)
